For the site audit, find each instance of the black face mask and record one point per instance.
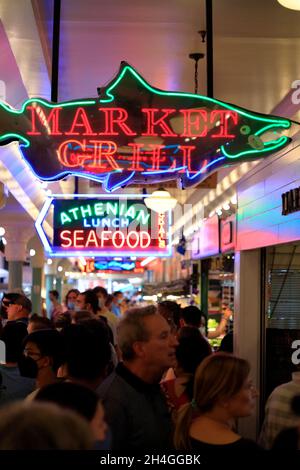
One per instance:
(28, 367)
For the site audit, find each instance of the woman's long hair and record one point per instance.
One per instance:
(218, 377)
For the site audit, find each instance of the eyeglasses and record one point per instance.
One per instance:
(29, 353)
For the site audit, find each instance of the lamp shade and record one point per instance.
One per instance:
(292, 4)
(160, 201)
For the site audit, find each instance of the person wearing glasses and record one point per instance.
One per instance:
(6, 299)
(17, 307)
(41, 358)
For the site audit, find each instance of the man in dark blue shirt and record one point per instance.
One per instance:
(135, 407)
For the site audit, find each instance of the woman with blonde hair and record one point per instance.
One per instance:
(223, 392)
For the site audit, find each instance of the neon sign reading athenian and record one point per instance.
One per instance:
(135, 133)
(105, 227)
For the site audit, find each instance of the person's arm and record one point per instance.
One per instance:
(221, 329)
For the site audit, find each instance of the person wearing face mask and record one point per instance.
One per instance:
(102, 295)
(104, 311)
(42, 356)
(70, 300)
(116, 303)
(14, 386)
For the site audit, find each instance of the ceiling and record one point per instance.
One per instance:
(256, 49)
(255, 46)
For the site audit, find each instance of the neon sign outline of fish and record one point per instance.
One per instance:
(135, 133)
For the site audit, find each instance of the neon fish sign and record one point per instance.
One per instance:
(115, 265)
(106, 265)
(135, 133)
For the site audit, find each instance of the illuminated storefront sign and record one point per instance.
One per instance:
(105, 226)
(291, 201)
(108, 266)
(135, 133)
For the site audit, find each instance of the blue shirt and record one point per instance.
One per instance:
(116, 310)
(14, 386)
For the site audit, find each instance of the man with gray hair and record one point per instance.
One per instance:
(135, 407)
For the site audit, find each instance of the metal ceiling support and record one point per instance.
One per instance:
(196, 56)
(55, 50)
(55, 63)
(76, 184)
(209, 48)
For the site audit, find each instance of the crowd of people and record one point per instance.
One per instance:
(100, 375)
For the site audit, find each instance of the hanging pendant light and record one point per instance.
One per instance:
(160, 201)
(291, 4)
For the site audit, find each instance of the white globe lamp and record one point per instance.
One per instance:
(160, 201)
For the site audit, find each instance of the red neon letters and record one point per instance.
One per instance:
(105, 239)
(96, 139)
(161, 231)
(112, 121)
(93, 154)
